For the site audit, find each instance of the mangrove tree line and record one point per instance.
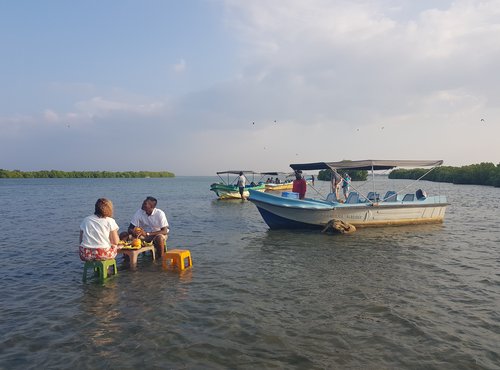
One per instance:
(475, 174)
(16, 174)
(356, 175)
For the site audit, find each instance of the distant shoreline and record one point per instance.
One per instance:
(55, 174)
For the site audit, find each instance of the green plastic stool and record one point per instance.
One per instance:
(100, 268)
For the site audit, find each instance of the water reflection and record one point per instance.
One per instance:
(99, 305)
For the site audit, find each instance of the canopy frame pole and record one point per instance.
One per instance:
(417, 180)
(373, 180)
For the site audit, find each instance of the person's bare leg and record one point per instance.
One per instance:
(159, 243)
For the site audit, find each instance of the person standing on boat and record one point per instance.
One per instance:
(152, 223)
(299, 184)
(336, 182)
(241, 184)
(346, 184)
(99, 233)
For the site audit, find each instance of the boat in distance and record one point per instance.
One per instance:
(285, 184)
(282, 212)
(228, 189)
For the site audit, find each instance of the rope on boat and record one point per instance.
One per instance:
(339, 226)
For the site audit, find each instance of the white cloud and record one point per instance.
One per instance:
(180, 66)
(50, 116)
(102, 106)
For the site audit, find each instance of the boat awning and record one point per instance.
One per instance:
(237, 172)
(275, 173)
(367, 164)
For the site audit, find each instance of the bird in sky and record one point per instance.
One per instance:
(482, 119)
(253, 123)
(274, 121)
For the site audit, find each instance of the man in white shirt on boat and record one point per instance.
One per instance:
(241, 184)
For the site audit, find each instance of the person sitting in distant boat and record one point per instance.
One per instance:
(253, 184)
(299, 184)
(346, 184)
(277, 180)
(151, 224)
(336, 182)
(241, 184)
(99, 233)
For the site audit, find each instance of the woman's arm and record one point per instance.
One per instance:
(113, 237)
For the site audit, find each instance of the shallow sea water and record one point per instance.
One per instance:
(396, 297)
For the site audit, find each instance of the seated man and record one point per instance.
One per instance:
(153, 225)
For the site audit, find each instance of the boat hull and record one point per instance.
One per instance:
(232, 192)
(279, 187)
(286, 186)
(285, 213)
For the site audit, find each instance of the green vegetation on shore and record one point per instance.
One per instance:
(16, 174)
(475, 174)
(326, 175)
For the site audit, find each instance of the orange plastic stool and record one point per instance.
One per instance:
(179, 258)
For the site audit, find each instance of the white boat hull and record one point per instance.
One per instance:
(281, 213)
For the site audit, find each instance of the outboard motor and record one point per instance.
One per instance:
(421, 194)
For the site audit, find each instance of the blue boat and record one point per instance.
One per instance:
(394, 208)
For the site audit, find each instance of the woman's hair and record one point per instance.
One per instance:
(103, 208)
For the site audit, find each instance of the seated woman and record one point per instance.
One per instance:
(99, 233)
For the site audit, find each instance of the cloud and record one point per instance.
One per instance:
(102, 106)
(180, 67)
(50, 116)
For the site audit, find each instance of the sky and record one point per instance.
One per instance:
(200, 86)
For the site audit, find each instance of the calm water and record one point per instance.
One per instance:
(402, 297)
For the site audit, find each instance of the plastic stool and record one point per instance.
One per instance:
(100, 268)
(179, 258)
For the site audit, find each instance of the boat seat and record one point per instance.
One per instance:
(409, 198)
(331, 198)
(352, 198)
(390, 196)
(421, 195)
(373, 196)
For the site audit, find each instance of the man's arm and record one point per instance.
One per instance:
(162, 231)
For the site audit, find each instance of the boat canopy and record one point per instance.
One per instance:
(367, 164)
(237, 172)
(275, 173)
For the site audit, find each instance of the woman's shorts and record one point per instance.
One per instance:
(98, 254)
